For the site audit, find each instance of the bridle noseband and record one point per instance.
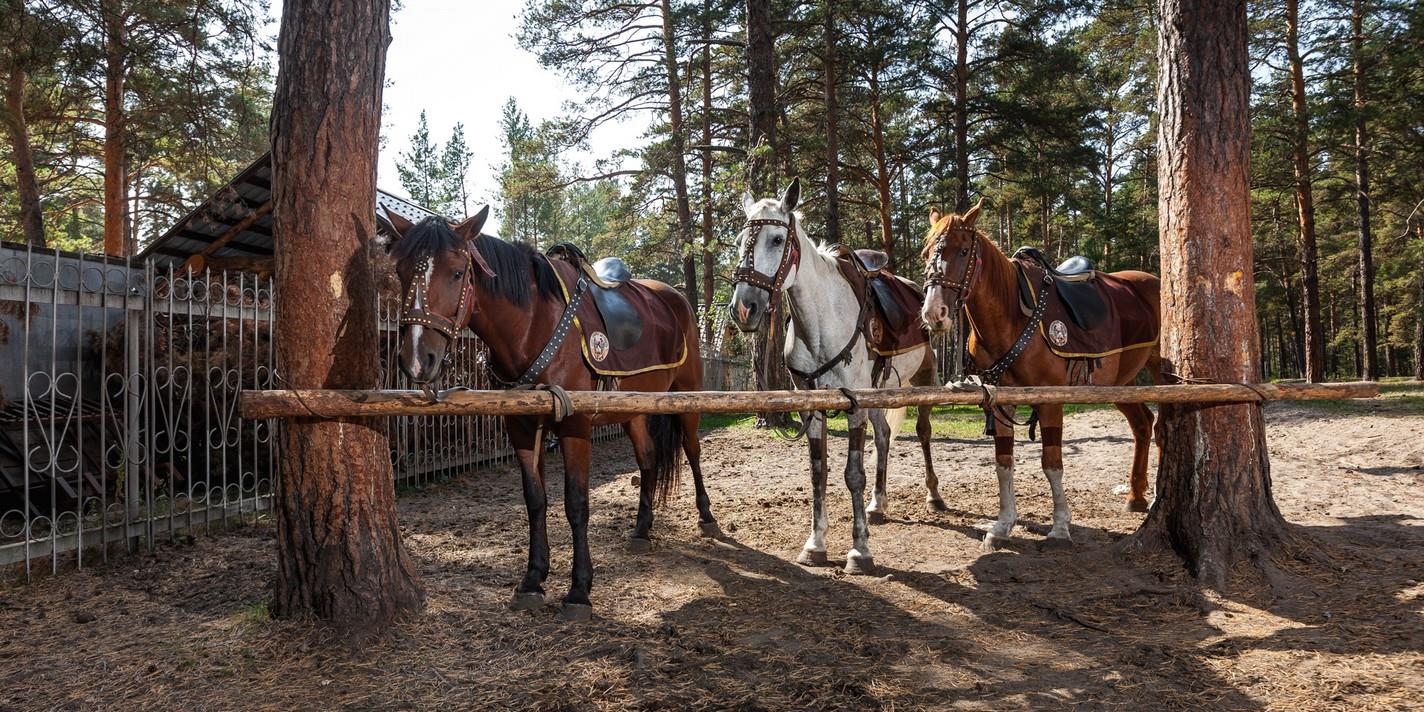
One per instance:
(746, 271)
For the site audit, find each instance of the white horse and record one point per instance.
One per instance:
(826, 343)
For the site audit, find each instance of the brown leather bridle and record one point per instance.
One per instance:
(972, 266)
(420, 287)
(746, 271)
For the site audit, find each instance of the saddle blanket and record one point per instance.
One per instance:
(662, 345)
(893, 326)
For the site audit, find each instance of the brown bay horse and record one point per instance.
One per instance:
(1026, 330)
(525, 307)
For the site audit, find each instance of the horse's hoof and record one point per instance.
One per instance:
(994, 543)
(936, 505)
(575, 612)
(857, 565)
(1056, 543)
(639, 545)
(1136, 505)
(811, 557)
(876, 517)
(526, 601)
(710, 529)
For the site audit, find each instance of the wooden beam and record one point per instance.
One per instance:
(198, 262)
(342, 404)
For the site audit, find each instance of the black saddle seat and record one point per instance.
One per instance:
(1072, 282)
(613, 270)
(871, 261)
(620, 317)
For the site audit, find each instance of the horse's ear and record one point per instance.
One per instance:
(935, 215)
(471, 227)
(390, 228)
(973, 213)
(792, 198)
(748, 200)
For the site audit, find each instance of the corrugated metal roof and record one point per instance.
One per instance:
(248, 192)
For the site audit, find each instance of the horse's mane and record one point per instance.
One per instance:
(509, 261)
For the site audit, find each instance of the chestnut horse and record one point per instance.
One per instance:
(963, 267)
(511, 297)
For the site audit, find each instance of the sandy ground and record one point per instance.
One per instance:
(736, 624)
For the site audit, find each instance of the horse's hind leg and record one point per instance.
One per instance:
(692, 446)
(1050, 417)
(640, 540)
(527, 437)
(879, 507)
(1139, 417)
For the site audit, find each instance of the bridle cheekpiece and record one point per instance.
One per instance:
(746, 271)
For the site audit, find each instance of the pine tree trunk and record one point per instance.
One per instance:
(686, 248)
(769, 363)
(761, 98)
(26, 183)
(833, 153)
(1369, 346)
(709, 285)
(339, 552)
(115, 120)
(1419, 312)
(882, 171)
(961, 109)
(1214, 506)
(1305, 202)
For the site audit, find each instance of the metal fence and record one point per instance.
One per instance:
(118, 407)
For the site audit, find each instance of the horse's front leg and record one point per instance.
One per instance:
(858, 559)
(527, 437)
(574, 433)
(1050, 417)
(998, 534)
(813, 553)
(879, 508)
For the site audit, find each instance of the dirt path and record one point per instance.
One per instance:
(736, 624)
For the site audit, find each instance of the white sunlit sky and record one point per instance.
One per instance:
(459, 61)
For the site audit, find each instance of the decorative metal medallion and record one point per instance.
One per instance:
(598, 346)
(873, 328)
(1057, 333)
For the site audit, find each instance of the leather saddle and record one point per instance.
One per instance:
(893, 300)
(1073, 283)
(623, 323)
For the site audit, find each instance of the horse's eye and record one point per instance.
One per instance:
(963, 251)
(459, 274)
(777, 240)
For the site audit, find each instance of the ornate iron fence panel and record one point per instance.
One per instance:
(119, 385)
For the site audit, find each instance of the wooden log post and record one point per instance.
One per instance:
(358, 403)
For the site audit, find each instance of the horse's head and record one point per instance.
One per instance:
(436, 263)
(952, 262)
(768, 253)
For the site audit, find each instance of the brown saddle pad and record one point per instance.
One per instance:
(660, 346)
(894, 325)
(1129, 322)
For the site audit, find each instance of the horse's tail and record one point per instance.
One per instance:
(666, 434)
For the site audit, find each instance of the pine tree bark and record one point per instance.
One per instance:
(1419, 312)
(678, 141)
(1369, 347)
(115, 124)
(26, 182)
(1214, 506)
(833, 152)
(339, 553)
(1305, 202)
